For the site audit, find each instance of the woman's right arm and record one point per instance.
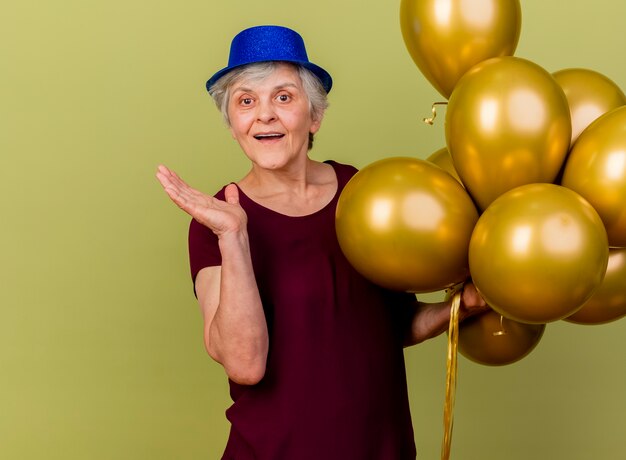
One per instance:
(235, 329)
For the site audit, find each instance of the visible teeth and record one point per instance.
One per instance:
(265, 136)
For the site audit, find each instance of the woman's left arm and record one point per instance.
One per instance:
(428, 320)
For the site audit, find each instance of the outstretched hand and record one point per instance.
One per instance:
(221, 217)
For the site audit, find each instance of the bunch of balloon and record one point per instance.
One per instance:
(543, 157)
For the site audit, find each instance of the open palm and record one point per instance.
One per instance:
(219, 216)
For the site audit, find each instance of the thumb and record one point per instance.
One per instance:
(231, 194)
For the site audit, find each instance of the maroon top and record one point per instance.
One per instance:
(335, 384)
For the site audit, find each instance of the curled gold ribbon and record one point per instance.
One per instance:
(431, 120)
(451, 369)
(502, 330)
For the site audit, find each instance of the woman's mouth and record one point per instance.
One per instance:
(268, 137)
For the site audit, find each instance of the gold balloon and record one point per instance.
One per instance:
(446, 38)
(589, 94)
(608, 303)
(443, 159)
(538, 253)
(405, 224)
(507, 124)
(494, 340)
(596, 169)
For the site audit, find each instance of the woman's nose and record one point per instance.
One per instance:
(266, 112)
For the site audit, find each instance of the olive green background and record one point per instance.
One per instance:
(101, 353)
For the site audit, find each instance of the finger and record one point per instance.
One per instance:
(169, 179)
(162, 176)
(165, 176)
(172, 177)
(191, 201)
(175, 179)
(471, 296)
(164, 171)
(162, 168)
(175, 194)
(178, 191)
(231, 194)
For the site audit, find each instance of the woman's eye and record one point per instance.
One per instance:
(283, 98)
(246, 101)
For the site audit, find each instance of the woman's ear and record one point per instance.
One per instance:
(316, 124)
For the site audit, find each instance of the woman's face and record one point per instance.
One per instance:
(270, 118)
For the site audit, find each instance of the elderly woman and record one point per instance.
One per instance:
(312, 350)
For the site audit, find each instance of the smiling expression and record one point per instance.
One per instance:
(271, 119)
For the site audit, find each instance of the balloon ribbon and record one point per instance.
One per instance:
(451, 370)
(431, 120)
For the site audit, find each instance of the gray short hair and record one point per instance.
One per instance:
(316, 94)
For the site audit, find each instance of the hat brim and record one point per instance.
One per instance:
(321, 74)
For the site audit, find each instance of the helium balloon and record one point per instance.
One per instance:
(443, 159)
(608, 303)
(596, 169)
(507, 124)
(493, 340)
(446, 38)
(538, 253)
(405, 224)
(589, 94)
